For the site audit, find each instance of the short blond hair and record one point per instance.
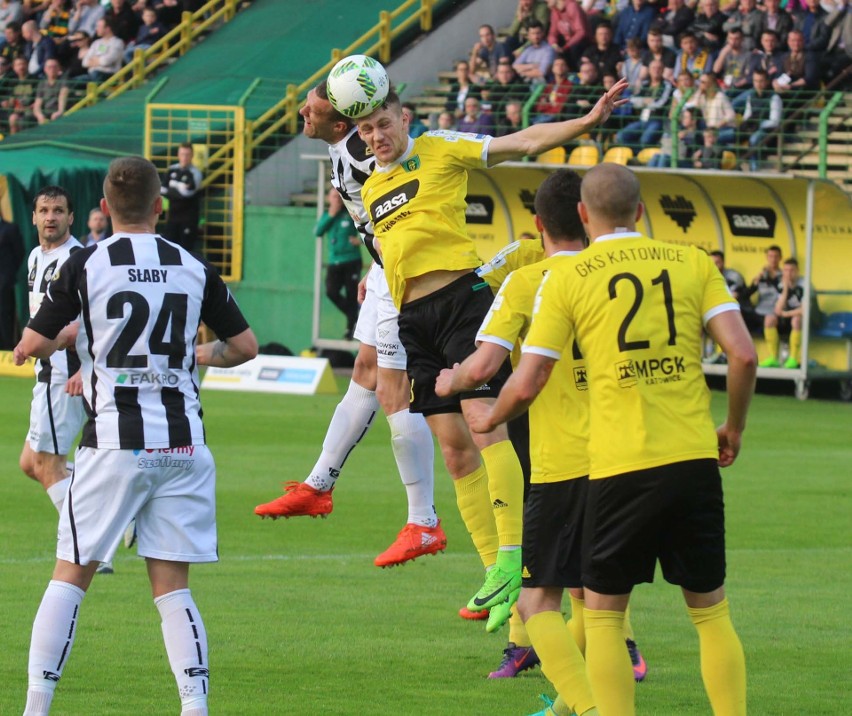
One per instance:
(131, 187)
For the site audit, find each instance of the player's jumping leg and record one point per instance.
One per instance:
(351, 420)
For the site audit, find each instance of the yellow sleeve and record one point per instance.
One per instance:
(495, 271)
(717, 296)
(507, 319)
(551, 327)
(462, 150)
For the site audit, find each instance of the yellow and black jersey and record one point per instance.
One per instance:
(637, 308)
(559, 417)
(510, 258)
(417, 207)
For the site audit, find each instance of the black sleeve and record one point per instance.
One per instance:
(219, 310)
(61, 304)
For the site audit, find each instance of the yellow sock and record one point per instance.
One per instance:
(628, 627)
(506, 488)
(561, 660)
(517, 631)
(577, 625)
(796, 344)
(475, 507)
(608, 663)
(771, 337)
(722, 660)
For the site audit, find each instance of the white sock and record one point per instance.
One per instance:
(186, 646)
(414, 451)
(53, 634)
(352, 418)
(57, 491)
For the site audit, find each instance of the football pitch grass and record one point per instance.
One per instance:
(301, 622)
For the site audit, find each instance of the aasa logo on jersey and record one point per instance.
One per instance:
(392, 201)
(412, 164)
(581, 378)
(751, 221)
(480, 209)
(147, 379)
(680, 210)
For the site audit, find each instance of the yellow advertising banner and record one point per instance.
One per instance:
(8, 367)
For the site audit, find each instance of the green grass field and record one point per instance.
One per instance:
(301, 622)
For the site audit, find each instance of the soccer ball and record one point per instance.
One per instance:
(357, 85)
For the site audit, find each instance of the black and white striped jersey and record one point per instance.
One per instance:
(351, 163)
(140, 300)
(41, 267)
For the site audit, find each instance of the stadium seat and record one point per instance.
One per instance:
(618, 155)
(552, 156)
(836, 325)
(647, 154)
(586, 155)
(729, 160)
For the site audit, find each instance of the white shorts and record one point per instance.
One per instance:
(378, 322)
(55, 419)
(171, 492)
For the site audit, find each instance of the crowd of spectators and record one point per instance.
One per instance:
(726, 72)
(49, 48)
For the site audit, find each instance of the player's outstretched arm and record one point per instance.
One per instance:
(516, 395)
(540, 137)
(476, 370)
(228, 353)
(35, 345)
(729, 331)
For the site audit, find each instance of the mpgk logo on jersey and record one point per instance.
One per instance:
(393, 200)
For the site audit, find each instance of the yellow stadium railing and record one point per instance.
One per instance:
(176, 42)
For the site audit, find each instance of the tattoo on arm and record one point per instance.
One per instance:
(219, 350)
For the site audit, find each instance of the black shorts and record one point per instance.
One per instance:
(553, 531)
(519, 434)
(674, 513)
(438, 331)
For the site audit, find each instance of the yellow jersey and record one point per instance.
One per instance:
(417, 207)
(508, 259)
(559, 416)
(637, 307)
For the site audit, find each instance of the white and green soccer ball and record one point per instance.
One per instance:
(357, 85)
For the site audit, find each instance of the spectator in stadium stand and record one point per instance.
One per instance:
(150, 31)
(54, 21)
(585, 92)
(125, 22)
(799, 70)
(11, 257)
(21, 99)
(508, 86)
(6, 73)
(658, 51)
(14, 44)
(97, 225)
(689, 139)
(461, 88)
(684, 87)
(651, 103)
(475, 120)
(103, 58)
(767, 286)
(51, 94)
(732, 64)
(634, 21)
(182, 187)
(673, 22)
(835, 43)
(446, 121)
(768, 57)
(773, 18)
(415, 126)
(10, 11)
(169, 11)
(536, 59)
(708, 24)
(569, 30)
(80, 43)
(692, 58)
(746, 17)
(486, 55)
(85, 17)
(38, 48)
(551, 103)
(807, 20)
(709, 156)
(528, 11)
(511, 120)
(762, 115)
(718, 112)
(631, 68)
(603, 52)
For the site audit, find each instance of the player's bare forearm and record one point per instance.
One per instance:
(729, 330)
(35, 345)
(476, 370)
(228, 353)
